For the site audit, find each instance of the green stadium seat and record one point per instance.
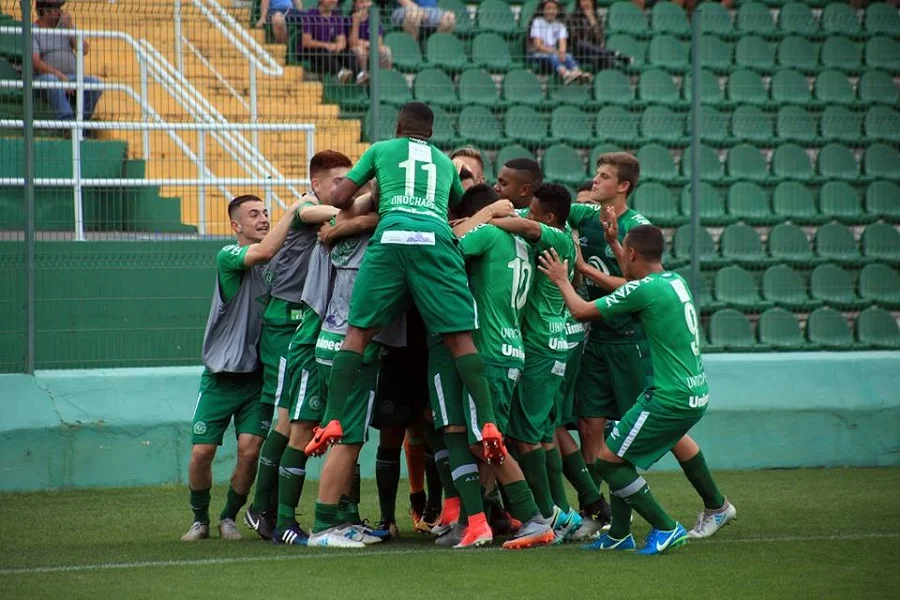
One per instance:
(525, 14)
(790, 161)
(669, 53)
(612, 87)
(835, 287)
(657, 202)
(795, 202)
(713, 126)
(668, 17)
(731, 330)
(788, 244)
(715, 54)
(522, 87)
(881, 18)
(464, 22)
(387, 123)
(434, 87)
(839, 52)
(561, 163)
(880, 284)
(837, 162)
(488, 166)
(796, 18)
(478, 126)
(659, 124)
(629, 46)
(754, 18)
(833, 87)
(710, 91)
(507, 153)
(477, 87)
(524, 125)
(838, 200)
(736, 288)
(714, 19)
(394, 88)
(658, 87)
(490, 51)
(571, 125)
(790, 87)
(883, 124)
(406, 54)
(704, 299)
(626, 17)
(750, 124)
(444, 129)
(828, 328)
(599, 149)
(877, 87)
(882, 161)
(881, 200)
(711, 168)
(877, 328)
(839, 19)
(746, 162)
(785, 287)
(740, 243)
(753, 52)
(796, 124)
(881, 53)
(835, 242)
(578, 95)
(614, 124)
(748, 202)
(780, 329)
(798, 53)
(746, 87)
(712, 205)
(445, 51)
(881, 241)
(681, 246)
(348, 97)
(497, 17)
(657, 164)
(839, 124)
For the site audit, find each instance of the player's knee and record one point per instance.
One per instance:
(525, 447)
(685, 449)
(605, 454)
(391, 436)
(459, 343)
(454, 429)
(249, 452)
(202, 455)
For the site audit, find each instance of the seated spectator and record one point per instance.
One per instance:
(279, 13)
(359, 41)
(415, 14)
(549, 43)
(55, 61)
(469, 159)
(586, 38)
(324, 42)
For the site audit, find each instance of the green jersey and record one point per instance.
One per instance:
(597, 253)
(665, 307)
(501, 270)
(544, 321)
(230, 269)
(417, 183)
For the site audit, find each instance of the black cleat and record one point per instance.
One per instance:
(262, 522)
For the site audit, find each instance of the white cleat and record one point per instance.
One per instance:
(198, 531)
(589, 528)
(228, 530)
(335, 537)
(364, 536)
(710, 521)
(452, 537)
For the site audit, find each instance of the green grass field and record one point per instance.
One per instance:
(828, 533)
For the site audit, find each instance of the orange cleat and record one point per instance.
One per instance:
(492, 440)
(514, 524)
(530, 541)
(323, 437)
(477, 533)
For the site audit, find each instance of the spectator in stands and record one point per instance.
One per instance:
(470, 159)
(549, 38)
(586, 38)
(324, 42)
(54, 61)
(359, 41)
(279, 13)
(415, 14)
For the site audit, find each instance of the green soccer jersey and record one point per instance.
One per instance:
(665, 307)
(417, 183)
(501, 270)
(230, 269)
(597, 253)
(544, 321)
(309, 325)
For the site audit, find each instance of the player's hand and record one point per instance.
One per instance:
(324, 235)
(455, 222)
(549, 265)
(579, 257)
(307, 197)
(610, 225)
(503, 208)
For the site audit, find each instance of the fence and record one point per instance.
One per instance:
(791, 146)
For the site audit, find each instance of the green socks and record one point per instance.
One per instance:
(464, 474)
(387, 479)
(233, 503)
(326, 517)
(291, 475)
(580, 477)
(267, 476)
(200, 505)
(555, 478)
(521, 501)
(344, 375)
(471, 371)
(534, 466)
(625, 483)
(698, 474)
(621, 518)
(441, 462)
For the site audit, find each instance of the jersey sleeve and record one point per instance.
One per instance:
(231, 258)
(579, 213)
(633, 221)
(477, 241)
(551, 237)
(364, 169)
(633, 297)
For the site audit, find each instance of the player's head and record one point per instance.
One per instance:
(550, 205)
(617, 176)
(643, 247)
(518, 179)
(583, 195)
(49, 11)
(415, 120)
(471, 159)
(466, 178)
(476, 197)
(326, 170)
(249, 218)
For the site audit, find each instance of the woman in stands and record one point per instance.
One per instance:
(548, 44)
(586, 39)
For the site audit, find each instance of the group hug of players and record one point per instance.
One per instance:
(405, 280)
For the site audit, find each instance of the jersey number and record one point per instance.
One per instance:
(522, 274)
(690, 314)
(417, 155)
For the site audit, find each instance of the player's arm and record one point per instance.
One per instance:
(263, 252)
(362, 172)
(607, 283)
(500, 208)
(528, 229)
(317, 214)
(558, 273)
(578, 278)
(611, 232)
(347, 226)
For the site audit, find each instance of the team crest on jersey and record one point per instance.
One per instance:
(609, 251)
(269, 276)
(199, 427)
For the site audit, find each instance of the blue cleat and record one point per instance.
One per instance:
(659, 541)
(386, 530)
(605, 542)
(292, 536)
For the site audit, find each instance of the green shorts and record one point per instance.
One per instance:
(611, 377)
(565, 398)
(302, 397)
(274, 342)
(533, 413)
(224, 396)
(402, 393)
(502, 382)
(647, 432)
(426, 266)
(357, 413)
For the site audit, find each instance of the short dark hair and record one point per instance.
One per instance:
(416, 117)
(236, 203)
(648, 241)
(476, 197)
(327, 160)
(529, 166)
(587, 186)
(556, 199)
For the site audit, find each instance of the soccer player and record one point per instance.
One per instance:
(231, 383)
(517, 180)
(583, 194)
(279, 324)
(470, 159)
(675, 400)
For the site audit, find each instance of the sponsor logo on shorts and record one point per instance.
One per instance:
(265, 424)
(408, 238)
(332, 345)
(559, 368)
(315, 403)
(199, 427)
(614, 433)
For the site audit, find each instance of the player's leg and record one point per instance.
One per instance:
(414, 449)
(199, 483)
(717, 510)
(451, 508)
(387, 476)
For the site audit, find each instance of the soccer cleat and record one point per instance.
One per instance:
(559, 522)
(475, 536)
(492, 441)
(198, 531)
(452, 537)
(537, 531)
(292, 536)
(710, 521)
(365, 534)
(261, 522)
(590, 527)
(573, 524)
(659, 541)
(449, 516)
(428, 521)
(605, 542)
(500, 521)
(228, 530)
(386, 530)
(323, 437)
(335, 537)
